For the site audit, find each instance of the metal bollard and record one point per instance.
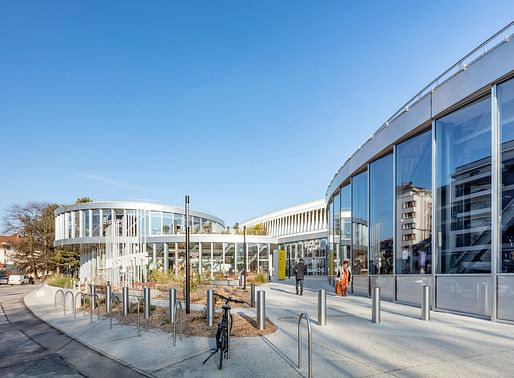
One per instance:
(93, 295)
(261, 310)
(241, 279)
(108, 298)
(172, 302)
(138, 317)
(252, 293)
(425, 303)
(375, 305)
(125, 300)
(210, 308)
(322, 307)
(146, 299)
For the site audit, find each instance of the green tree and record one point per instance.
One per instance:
(83, 200)
(35, 223)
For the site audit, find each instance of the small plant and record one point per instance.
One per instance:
(61, 281)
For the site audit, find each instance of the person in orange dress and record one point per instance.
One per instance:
(346, 278)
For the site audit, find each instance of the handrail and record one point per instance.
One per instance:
(55, 298)
(64, 300)
(461, 65)
(175, 322)
(305, 316)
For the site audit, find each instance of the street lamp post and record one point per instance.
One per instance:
(188, 272)
(244, 252)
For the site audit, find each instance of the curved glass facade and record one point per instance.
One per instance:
(435, 204)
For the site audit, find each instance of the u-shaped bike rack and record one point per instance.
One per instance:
(305, 316)
(75, 304)
(64, 300)
(181, 329)
(55, 298)
(92, 306)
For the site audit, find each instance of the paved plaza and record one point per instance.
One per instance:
(349, 345)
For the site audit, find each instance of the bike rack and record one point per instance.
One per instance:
(93, 297)
(55, 298)
(305, 316)
(64, 300)
(175, 323)
(75, 304)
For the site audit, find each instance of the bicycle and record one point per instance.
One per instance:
(224, 331)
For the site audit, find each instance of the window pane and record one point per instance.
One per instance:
(96, 222)
(156, 223)
(381, 216)
(414, 196)
(506, 104)
(346, 223)
(464, 189)
(360, 223)
(167, 223)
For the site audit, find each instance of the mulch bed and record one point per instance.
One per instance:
(195, 323)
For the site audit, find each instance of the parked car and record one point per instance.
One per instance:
(19, 279)
(3, 278)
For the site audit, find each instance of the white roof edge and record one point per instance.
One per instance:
(284, 212)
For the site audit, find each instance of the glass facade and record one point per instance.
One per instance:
(463, 187)
(360, 224)
(506, 109)
(414, 205)
(381, 221)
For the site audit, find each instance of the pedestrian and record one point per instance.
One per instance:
(299, 271)
(345, 279)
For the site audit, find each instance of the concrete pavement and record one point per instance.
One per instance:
(350, 345)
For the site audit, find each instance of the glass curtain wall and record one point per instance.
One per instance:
(414, 205)
(506, 105)
(360, 224)
(381, 216)
(346, 223)
(463, 184)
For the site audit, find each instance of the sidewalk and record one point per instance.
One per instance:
(350, 345)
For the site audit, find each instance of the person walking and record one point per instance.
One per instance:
(299, 270)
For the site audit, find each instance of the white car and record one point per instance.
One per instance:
(18, 279)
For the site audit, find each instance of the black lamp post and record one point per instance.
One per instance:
(244, 251)
(188, 272)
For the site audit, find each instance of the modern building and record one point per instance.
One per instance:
(121, 242)
(301, 231)
(428, 198)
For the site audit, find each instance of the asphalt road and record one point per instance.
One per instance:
(31, 348)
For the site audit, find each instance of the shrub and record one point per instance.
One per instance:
(61, 281)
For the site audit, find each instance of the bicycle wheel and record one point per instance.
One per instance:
(221, 349)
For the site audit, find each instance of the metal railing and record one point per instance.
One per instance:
(503, 36)
(305, 316)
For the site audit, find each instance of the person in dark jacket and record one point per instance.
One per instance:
(299, 271)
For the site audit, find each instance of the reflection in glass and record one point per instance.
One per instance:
(155, 222)
(463, 183)
(506, 105)
(85, 222)
(381, 216)
(346, 224)
(167, 223)
(96, 222)
(360, 224)
(414, 205)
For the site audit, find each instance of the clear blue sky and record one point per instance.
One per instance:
(247, 106)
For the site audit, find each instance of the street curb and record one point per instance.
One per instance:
(97, 350)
